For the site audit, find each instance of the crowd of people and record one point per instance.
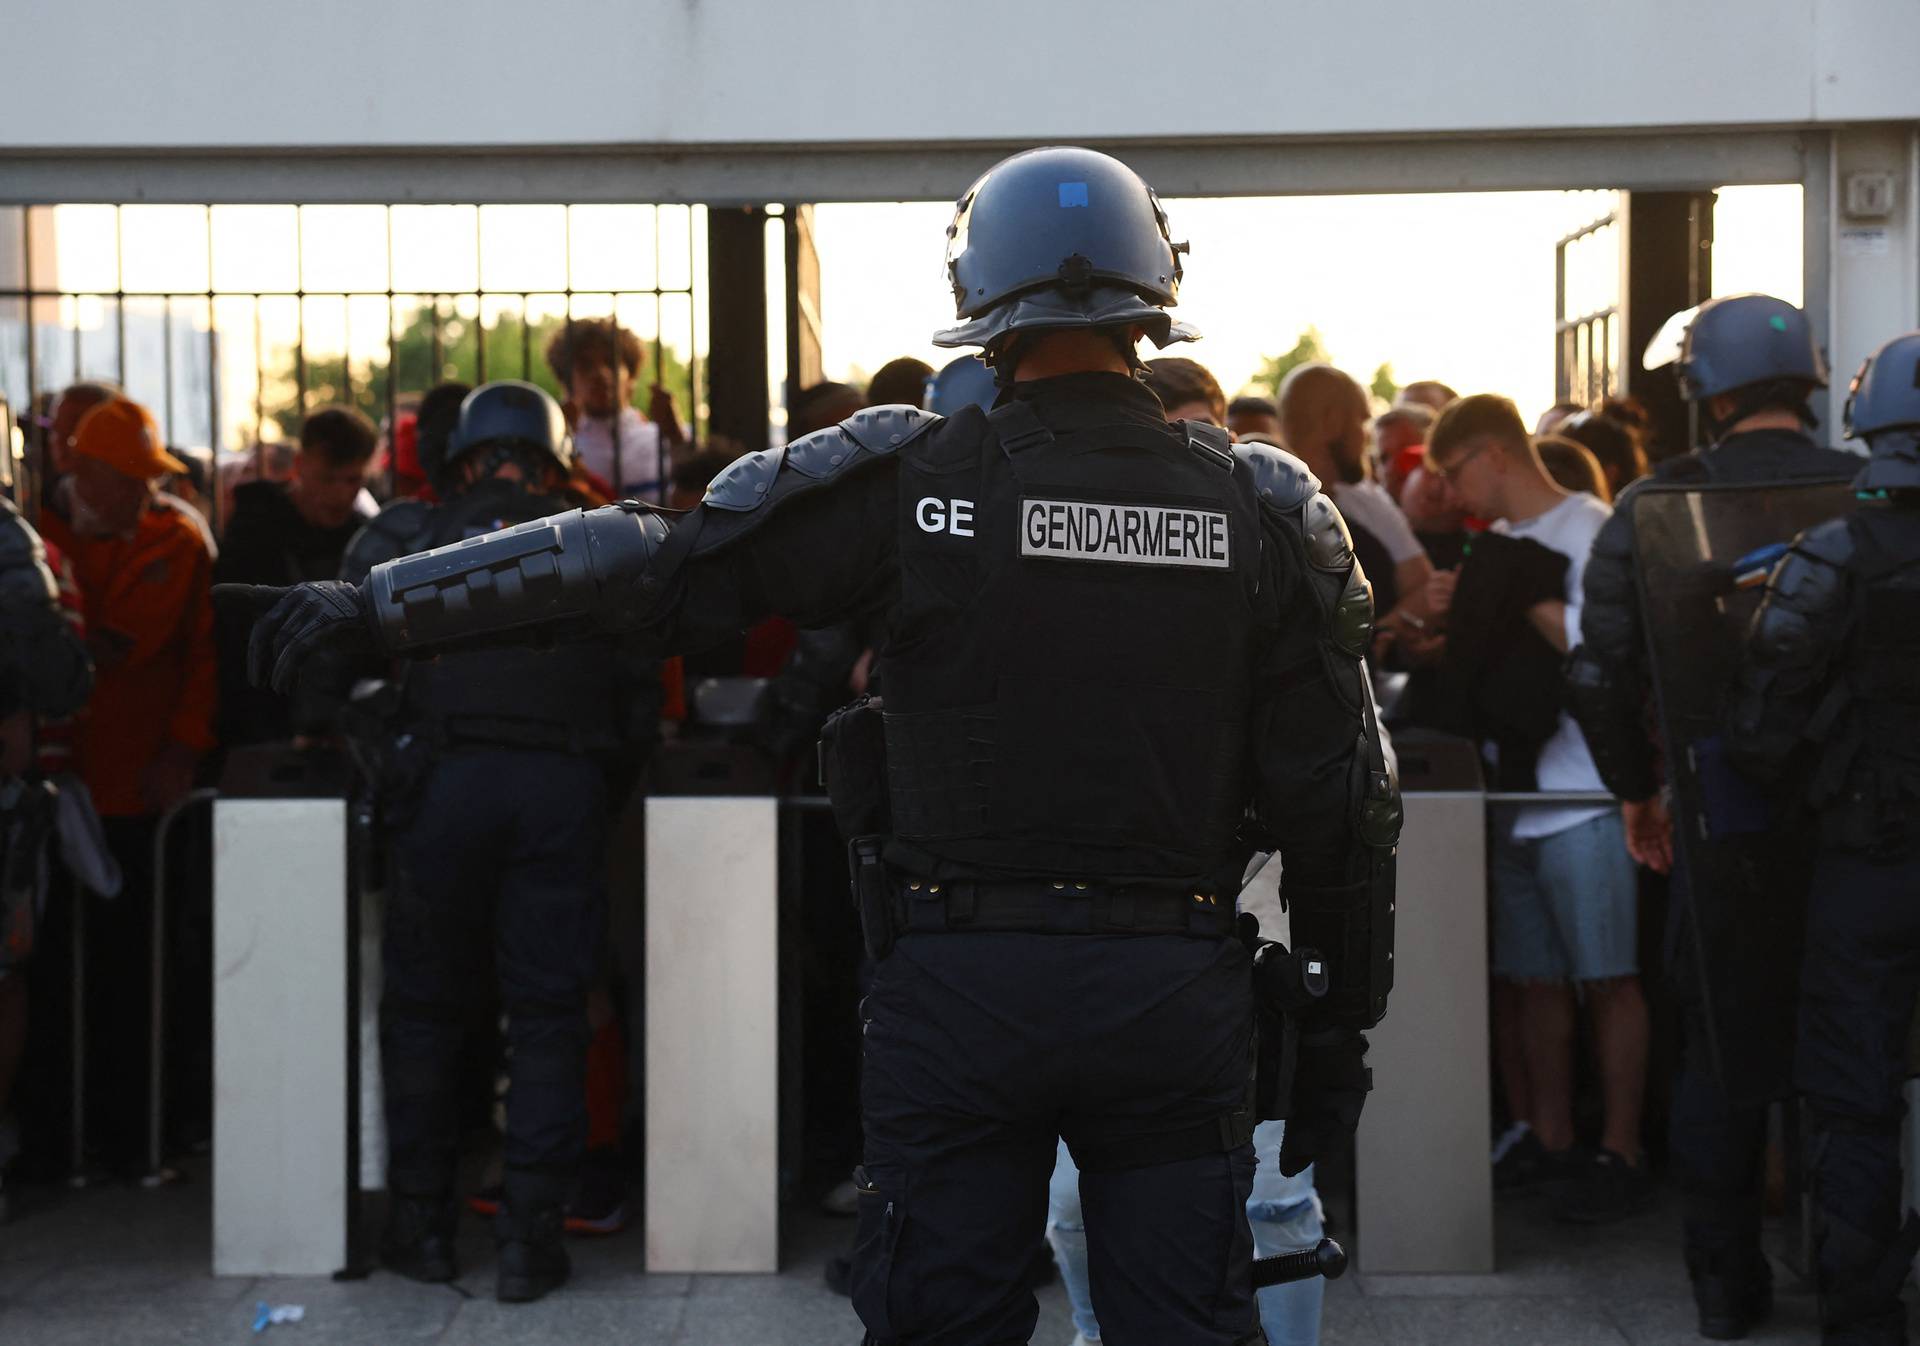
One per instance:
(1487, 544)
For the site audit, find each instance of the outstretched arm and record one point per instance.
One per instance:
(803, 532)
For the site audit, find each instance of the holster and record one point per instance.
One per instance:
(870, 895)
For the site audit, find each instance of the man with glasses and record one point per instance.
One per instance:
(1564, 893)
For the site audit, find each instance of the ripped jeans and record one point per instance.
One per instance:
(1284, 1212)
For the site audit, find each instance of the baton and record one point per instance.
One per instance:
(1325, 1258)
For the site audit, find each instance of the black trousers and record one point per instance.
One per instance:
(980, 1049)
(498, 890)
(1859, 986)
(1718, 1148)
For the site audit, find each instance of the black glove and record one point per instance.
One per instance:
(298, 622)
(1330, 1085)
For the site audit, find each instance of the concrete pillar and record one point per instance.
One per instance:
(712, 1016)
(737, 320)
(280, 1058)
(1863, 246)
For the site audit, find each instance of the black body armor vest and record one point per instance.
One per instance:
(1067, 676)
(562, 698)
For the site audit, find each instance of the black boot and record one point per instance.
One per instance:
(418, 1240)
(1733, 1294)
(528, 1231)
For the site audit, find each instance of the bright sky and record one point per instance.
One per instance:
(1451, 287)
(1455, 287)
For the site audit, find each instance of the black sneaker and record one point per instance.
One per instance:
(1607, 1188)
(1525, 1164)
(418, 1240)
(1732, 1306)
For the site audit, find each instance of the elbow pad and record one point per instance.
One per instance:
(587, 567)
(1352, 924)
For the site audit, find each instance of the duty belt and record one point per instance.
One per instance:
(1057, 908)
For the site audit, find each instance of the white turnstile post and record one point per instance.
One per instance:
(712, 1015)
(1425, 1187)
(280, 1037)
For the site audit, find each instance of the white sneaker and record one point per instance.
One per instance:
(1082, 1339)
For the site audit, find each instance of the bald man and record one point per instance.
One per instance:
(1323, 421)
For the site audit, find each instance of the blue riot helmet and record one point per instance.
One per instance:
(1750, 344)
(960, 383)
(1883, 408)
(1061, 238)
(508, 420)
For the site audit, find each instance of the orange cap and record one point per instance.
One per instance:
(121, 433)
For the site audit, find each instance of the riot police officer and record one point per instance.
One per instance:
(1120, 654)
(495, 795)
(1749, 365)
(1830, 700)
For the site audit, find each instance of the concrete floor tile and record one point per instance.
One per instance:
(575, 1320)
(168, 1281)
(381, 1308)
(128, 1323)
(1494, 1322)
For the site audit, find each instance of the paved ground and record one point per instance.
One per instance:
(127, 1267)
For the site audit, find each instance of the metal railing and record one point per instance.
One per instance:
(465, 327)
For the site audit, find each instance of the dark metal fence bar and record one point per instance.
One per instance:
(312, 374)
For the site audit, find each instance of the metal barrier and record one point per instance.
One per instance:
(157, 1172)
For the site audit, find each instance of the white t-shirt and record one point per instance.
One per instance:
(642, 466)
(1368, 504)
(1565, 763)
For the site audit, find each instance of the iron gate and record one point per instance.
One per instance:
(231, 322)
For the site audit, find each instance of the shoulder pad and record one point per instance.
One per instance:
(1211, 442)
(25, 581)
(1329, 544)
(401, 529)
(744, 483)
(885, 429)
(749, 482)
(1281, 481)
(19, 544)
(1831, 542)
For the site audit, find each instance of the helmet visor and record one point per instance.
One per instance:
(1670, 342)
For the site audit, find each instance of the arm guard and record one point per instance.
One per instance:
(1801, 622)
(620, 568)
(1350, 922)
(583, 569)
(1606, 682)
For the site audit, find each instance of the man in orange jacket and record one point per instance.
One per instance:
(145, 565)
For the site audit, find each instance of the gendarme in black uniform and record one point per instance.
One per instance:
(1830, 703)
(1120, 656)
(495, 796)
(1759, 353)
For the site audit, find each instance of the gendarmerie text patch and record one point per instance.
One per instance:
(1156, 535)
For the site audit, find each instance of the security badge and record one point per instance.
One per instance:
(1156, 535)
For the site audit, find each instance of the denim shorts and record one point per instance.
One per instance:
(1566, 905)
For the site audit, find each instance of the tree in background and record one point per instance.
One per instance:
(434, 347)
(1383, 387)
(1309, 349)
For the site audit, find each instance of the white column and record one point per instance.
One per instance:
(1868, 224)
(1424, 1183)
(280, 1037)
(713, 1061)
